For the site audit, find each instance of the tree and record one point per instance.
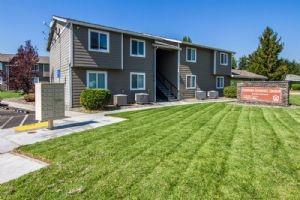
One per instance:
(292, 66)
(20, 71)
(244, 62)
(265, 59)
(187, 39)
(233, 62)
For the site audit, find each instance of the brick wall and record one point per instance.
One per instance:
(261, 97)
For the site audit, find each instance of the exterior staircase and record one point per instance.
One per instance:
(165, 88)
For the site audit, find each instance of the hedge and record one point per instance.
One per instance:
(296, 86)
(94, 99)
(230, 91)
(29, 97)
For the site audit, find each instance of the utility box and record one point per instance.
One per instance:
(49, 101)
(200, 95)
(213, 94)
(120, 100)
(141, 98)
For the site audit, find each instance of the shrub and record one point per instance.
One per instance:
(29, 97)
(94, 99)
(296, 86)
(230, 91)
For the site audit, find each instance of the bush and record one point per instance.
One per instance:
(296, 86)
(94, 99)
(230, 91)
(29, 97)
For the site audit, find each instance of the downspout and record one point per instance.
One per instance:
(70, 65)
(178, 73)
(215, 62)
(122, 50)
(154, 74)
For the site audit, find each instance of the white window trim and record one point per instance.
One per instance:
(226, 55)
(186, 79)
(220, 77)
(138, 40)
(44, 68)
(186, 55)
(36, 78)
(97, 72)
(98, 50)
(137, 73)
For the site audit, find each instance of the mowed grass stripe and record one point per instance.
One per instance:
(64, 144)
(107, 160)
(271, 169)
(238, 175)
(165, 174)
(202, 176)
(123, 177)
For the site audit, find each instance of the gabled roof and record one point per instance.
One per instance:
(8, 57)
(108, 28)
(243, 74)
(292, 77)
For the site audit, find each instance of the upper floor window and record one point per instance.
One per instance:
(220, 82)
(97, 79)
(137, 81)
(35, 68)
(191, 54)
(190, 81)
(1, 66)
(46, 68)
(137, 48)
(98, 41)
(223, 58)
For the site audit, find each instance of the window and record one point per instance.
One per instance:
(223, 58)
(98, 41)
(46, 68)
(96, 79)
(1, 66)
(35, 68)
(191, 54)
(35, 79)
(137, 48)
(220, 82)
(190, 81)
(1, 80)
(137, 81)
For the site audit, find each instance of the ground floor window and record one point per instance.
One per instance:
(35, 79)
(137, 81)
(190, 81)
(220, 82)
(1, 80)
(97, 79)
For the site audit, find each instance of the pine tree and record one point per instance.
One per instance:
(233, 62)
(265, 60)
(244, 62)
(187, 39)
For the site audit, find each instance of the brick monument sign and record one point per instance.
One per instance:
(264, 92)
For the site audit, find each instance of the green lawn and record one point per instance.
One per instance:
(9, 94)
(295, 99)
(184, 152)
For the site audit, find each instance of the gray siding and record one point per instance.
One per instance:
(203, 69)
(223, 69)
(60, 59)
(85, 58)
(118, 81)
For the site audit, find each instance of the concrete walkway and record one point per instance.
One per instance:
(13, 166)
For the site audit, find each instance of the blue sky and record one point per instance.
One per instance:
(229, 24)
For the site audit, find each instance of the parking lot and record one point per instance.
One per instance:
(10, 118)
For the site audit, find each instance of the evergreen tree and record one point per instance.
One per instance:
(244, 62)
(233, 62)
(265, 60)
(187, 39)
